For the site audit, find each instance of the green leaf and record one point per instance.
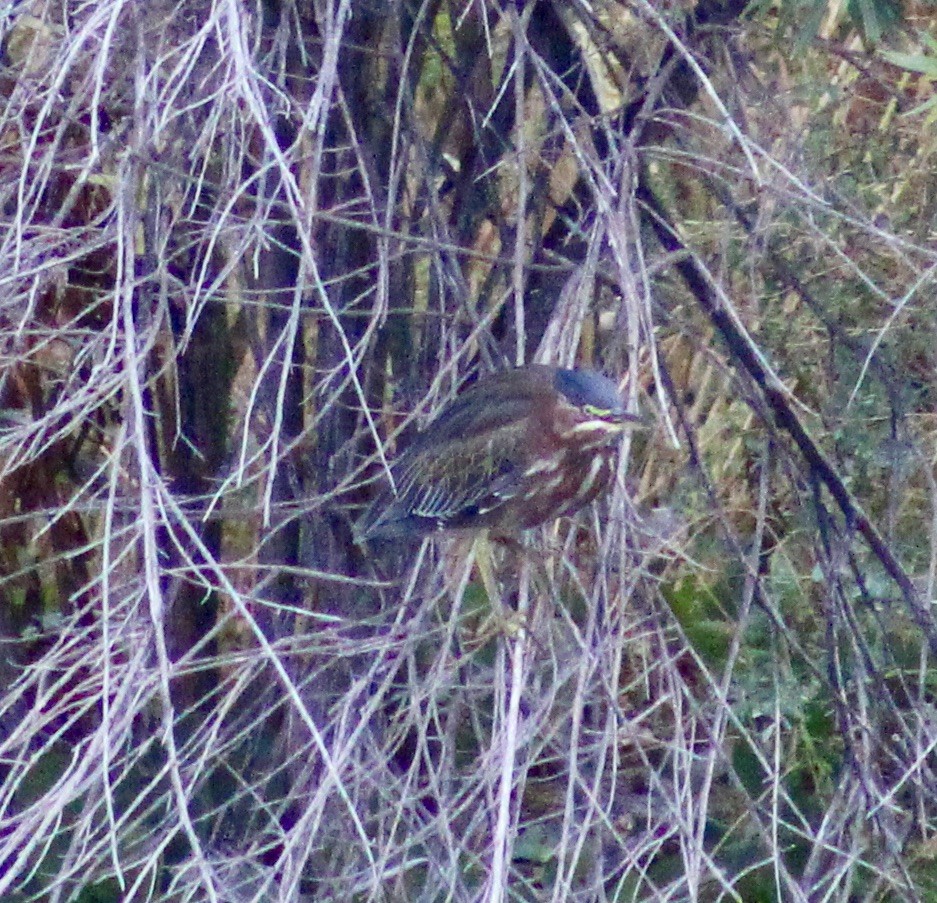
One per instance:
(807, 31)
(532, 846)
(913, 62)
(874, 17)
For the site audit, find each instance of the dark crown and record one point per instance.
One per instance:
(587, 388)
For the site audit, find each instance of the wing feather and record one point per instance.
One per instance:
(462, 474)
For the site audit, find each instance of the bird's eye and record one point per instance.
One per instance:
(594, 411)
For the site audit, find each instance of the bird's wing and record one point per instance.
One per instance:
(463, 474)
(470, 413)
(468, 461)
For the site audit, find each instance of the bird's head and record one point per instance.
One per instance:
(592, 406)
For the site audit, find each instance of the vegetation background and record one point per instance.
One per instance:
(246, 248)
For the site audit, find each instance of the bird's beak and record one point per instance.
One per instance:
(634, 421)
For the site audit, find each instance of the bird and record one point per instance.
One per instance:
(515, 449)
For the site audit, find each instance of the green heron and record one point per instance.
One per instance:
(513, 450)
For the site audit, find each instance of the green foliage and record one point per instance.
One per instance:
(102, 892)
(873, 19)
(923, 63)
(701, 611)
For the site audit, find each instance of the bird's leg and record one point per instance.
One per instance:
(484, 561)
(480, 559)
(502, 619)
(471, 603)
(484, 611)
